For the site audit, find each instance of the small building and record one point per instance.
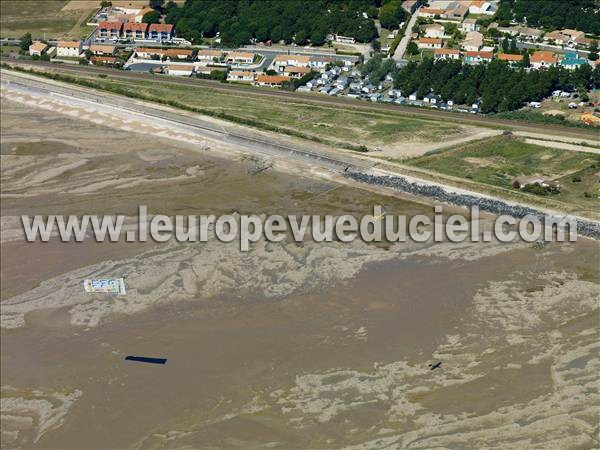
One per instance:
(446, 53)
(473, 41)
(458, 13)
(108, 60)
(543, 59)
(134, 31)
(178, 53)
(296, 72)
(98, 49)
(529, 34)
(160, 32)
(424, 11)
(478, 57)
(37, 48)
(69, 49)
(469, 25)
(435, 30)
(271, 80)
(280, 62)
(240, 57)
(180, 70)
(510, 59)
(482, 7)
(413, 97)
(344, 39)
(411, 5)
(430, 43)
(557, 37)
(209, 55)
(240, 76)
(109, 30)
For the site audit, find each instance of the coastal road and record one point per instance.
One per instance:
(319, 99)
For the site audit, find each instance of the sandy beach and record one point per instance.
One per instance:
(289, 345)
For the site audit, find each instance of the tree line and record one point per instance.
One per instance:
(499, 87)
(240, 21)
(583, 15)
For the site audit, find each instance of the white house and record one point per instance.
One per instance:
(482, 7)
(430, 43)
(469, 25)
(240, 57)
(446, 53)
(181, 70)
(435, 30)
(473, 42)
(239, 75)
(69, 49)
(37, 48)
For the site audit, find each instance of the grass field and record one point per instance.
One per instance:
(498, 161)
(42, 18)
(334, 126)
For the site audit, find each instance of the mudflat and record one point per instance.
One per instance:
(312, 345)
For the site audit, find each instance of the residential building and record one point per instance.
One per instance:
(572, 61)
(430, 12)
(296, 72)
(478, 57)
(446, 53)
(209, 55)
(240, 57)
(271, 80)
(69, 49)
(160, 31)
(430, 43)
(482, 7)
(435, 30)
(280, 62)
(510, 59)
(103, 60)
(241, 76)
(583, 42)
(573, 34)
(181, 70)
(37, 48)
(109, 30)
(134, 31)
(458, 13)
(543, 59)
(557, 37)
(320, 62)
(344, 39)
(530, 34)
(98, 49)
(178, 53)
(469, 25)
(473, 41)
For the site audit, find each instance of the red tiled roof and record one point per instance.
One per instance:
(109, 25)
(161, 27)
(488, 55)
(135, 26)
(508, 57)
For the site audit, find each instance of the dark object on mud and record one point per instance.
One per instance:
(435, 366)
(146, 360)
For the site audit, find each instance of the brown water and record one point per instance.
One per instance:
(286, 347)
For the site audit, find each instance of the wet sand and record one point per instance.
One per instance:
(288, 346)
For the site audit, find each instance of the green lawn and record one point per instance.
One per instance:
(498, 161)
(42, 18)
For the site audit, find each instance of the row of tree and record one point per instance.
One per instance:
(500, 87)
(581, 15)
(240, 21)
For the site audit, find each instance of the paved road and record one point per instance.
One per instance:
(319, 99)
(401, 49)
